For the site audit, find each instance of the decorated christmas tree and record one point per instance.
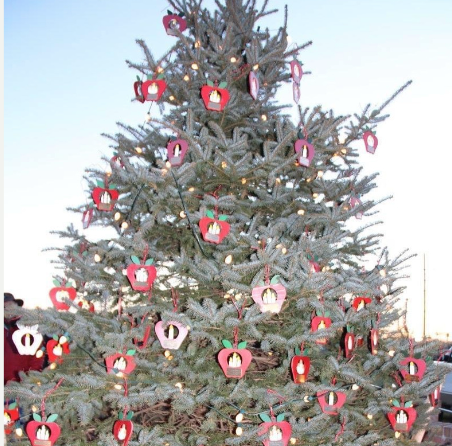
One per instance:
(238, 295)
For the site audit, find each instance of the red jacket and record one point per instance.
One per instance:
(13, 361)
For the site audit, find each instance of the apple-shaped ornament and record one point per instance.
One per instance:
(413, 370)
(105, 196)
(253, 84)
(62, 291)
(270, 297)
(305, 152)
(234, 361)
(176, 151)
(56, 347)
(141, 275)
(138, 89)
(123, 428)
(171, 334)
(320, 322)
(360, 302)
(300, 365)
(27, 339)
(153, 88)
(121, 364)
(214, 230)
(402, 416)
(10, 416)
(174, 22)
(277, 431)
(43, 432)
(215, 97)
(370, 141)
(331, 401)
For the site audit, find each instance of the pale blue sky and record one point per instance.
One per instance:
(66, 82)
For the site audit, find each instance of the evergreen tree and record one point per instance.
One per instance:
(235, 297)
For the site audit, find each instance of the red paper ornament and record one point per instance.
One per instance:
(87, 216)
(270, 297)
(234, 361)
(305, 150)
(402, 416)
(56, 347)
(215, 97)
(349, 344)
(153, 88)
(320, 322)
(123, 429)
(415, 369)
(105, 196)
(173, 22)
(300, 367)
(138, 88)
(60, 292)
(176, 151)
(10, 416)
(141, 275)
(360, 302)
(373, 341)
(168, 336)
(370, 141)
(43, 433)
(296, 71)
(434, 396)
(214, 230)
(276, 430)
(121, 364)
(331, 401)
(253, 84)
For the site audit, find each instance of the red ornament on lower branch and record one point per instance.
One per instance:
(123, 428)
(277, 432)
(10, 416)
(141, 275)
(121, 364)
(215, 97)
(234, 361)
(402, 416)
(105, 196)
(43, 432)
(57, 347)
(214, 230)
(415, 369)
(331, 401)
(300, 366)
(320, 322)
(62, 291)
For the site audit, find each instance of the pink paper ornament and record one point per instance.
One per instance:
(171, 334)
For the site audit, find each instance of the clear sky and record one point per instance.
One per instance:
(66, 82)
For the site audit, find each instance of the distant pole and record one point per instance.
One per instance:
(425, 302)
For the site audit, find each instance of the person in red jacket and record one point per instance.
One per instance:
(12, 360)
